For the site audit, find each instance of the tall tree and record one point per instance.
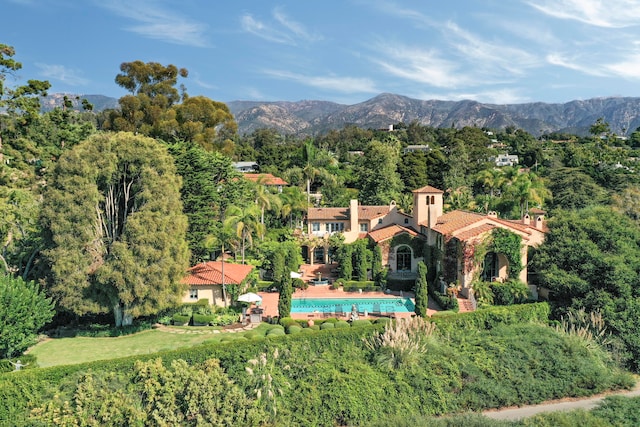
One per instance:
(210, 185)
(421, 294)
(377, 174)
(115, 228)
(246, 223)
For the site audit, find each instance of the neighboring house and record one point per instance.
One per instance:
(245, 167)
(205, 281)
(412, 148)
(505, 160)
(459, 236)
(267, 179)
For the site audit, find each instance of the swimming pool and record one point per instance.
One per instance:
(370, 305)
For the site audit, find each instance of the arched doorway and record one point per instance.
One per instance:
(403, 258)
(494, 267)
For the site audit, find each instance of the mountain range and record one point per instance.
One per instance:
(316, 117)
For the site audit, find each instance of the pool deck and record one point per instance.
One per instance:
(270, 299)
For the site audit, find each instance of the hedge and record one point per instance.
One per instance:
(488, 318)
(180, 319)
(355, 286)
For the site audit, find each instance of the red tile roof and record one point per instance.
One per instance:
(328, 213)
(455, 220)
(428, 189)
(475, 231)
(210, 273)
(372, 212)
(265, 178)
(389, 231)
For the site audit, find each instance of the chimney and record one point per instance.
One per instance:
(492, 214)
(353, 215)
(539, 222)
(526, 219)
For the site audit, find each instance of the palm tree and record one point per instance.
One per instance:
(528, 187)
(265, 200)
(245, 223)
(293, 203)
(221, 237)
(491, 179)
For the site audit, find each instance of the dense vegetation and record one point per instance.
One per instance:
(338, 376)
(93, 208)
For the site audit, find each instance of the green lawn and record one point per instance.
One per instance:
(68, 351)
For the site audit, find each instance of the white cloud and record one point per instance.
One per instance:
(489, 55)
(572, 63)
(419, 65)
(628, 68)
(295, 27)
(62, 74)
(599, 13)
(159, 24)
(284, 30)
(497, 96)
(260, 29)
(335, 83)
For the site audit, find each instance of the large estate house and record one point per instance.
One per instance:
(459, 246)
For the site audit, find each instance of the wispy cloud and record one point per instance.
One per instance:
(419, 65)
(488, 55)
(260, 29)
(599, 13)
(335, 83)
(496, 96)
(573, 63)
(294, 27)
(157, 23)
(62, 74)
(628, 68)
(284, 30)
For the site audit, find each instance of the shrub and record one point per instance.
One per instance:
(330, 320)
(287, 321)
(382, 321)
(308, 330)
(300, 284)
(341, 324)
(181, 319)
(361, 322)
(224, 319)
(327, 325)
(294, 329)
(275, 333)
(202, 319)
(336, 285)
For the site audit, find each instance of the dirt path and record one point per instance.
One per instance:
(557, 405)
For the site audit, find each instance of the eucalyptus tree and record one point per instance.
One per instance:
(114, 228)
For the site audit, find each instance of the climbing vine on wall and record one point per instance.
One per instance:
(416, 243)
(509, 244)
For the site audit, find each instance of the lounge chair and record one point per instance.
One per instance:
(376, 310)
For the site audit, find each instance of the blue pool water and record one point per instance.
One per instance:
(329, 305)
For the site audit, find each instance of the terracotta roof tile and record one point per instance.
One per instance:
(265, 178)
(455, 220)
(328, 213)
(210, 273)
(372, 212)
(389, 232)
(475, 231)
(427, 189)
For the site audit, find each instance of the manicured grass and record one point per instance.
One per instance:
(69, 351)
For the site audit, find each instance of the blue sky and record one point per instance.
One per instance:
(346, 51)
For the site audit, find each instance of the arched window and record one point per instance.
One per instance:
(403, 258)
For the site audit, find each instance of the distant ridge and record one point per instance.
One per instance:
(315, 117)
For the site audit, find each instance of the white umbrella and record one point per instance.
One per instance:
(250, 297)
(295, 275)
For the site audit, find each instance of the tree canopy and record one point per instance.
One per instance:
(115, 228)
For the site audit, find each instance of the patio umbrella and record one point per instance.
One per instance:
(250, 297)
